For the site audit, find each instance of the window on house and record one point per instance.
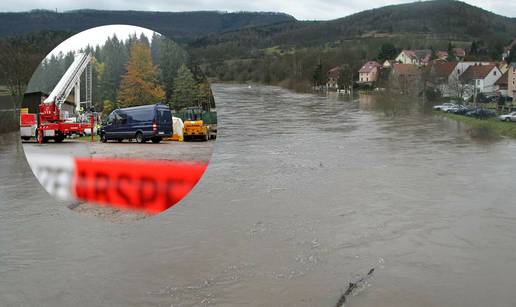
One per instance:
(494, 72)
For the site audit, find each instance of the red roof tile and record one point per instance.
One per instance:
(442, 70)
(406, 69)
(477, 72)
(369, 67)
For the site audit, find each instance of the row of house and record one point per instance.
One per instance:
(423, 57)
(459, 78)
(464, 79)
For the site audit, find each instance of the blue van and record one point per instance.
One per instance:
(148, 122)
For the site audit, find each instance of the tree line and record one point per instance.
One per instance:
(132, 72)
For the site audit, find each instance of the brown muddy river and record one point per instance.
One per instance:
(303, 195)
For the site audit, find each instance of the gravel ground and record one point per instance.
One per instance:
(179, 151)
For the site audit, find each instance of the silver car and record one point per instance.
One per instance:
(511, 117)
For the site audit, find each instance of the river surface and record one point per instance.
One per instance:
(303, 195)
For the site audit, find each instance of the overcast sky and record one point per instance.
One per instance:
(301, 9)
(97, 36)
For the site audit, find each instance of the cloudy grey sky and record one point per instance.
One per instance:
(301, 9)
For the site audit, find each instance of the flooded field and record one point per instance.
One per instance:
(303, 195)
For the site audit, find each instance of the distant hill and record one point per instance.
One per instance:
(438, 19)
(291, 53)
(181, 26)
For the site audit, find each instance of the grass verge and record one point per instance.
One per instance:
(87, 138)
(494, 126)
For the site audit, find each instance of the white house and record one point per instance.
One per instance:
(481, 78)
(417, 57)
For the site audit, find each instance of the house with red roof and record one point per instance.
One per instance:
(502, 84)
(442, 75)
(406, 77)
(481, 78)
(332, 80)
(458, 54)
(417, 57)
(369, 72)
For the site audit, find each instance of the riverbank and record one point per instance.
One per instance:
(491, 126)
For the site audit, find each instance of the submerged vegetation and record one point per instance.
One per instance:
(491, 127)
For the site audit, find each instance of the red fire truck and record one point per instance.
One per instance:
(57, 119)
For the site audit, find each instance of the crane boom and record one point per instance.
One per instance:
(71, 80)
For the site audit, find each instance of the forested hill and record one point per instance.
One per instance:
(181, 26)
(443, 19)
(292, 53)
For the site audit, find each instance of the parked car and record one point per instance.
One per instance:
(148, 122)
(462, 110)
(444, 106)
(511, 117)
(481, 113)
(454, 108)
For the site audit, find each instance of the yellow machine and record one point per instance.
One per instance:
(195, 129)
(195, 126)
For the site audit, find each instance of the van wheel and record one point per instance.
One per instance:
(156, 140)
(59, 139)
(103, 138)
(139, 137)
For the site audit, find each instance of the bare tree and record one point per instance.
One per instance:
(455, 87)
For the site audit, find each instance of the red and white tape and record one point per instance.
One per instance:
(142, 185)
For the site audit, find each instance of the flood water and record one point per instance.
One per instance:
(303, 195)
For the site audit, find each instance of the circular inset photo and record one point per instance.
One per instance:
(118, 122)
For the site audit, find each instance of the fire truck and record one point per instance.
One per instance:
(57, 119)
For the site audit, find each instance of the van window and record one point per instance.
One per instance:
(121, 118)
(111, 118)
(141, 115)
(164, 116)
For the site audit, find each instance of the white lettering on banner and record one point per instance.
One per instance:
(54, 172)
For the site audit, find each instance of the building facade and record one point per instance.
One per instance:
(368, 74)
(511, 80)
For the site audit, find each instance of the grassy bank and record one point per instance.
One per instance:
(87, 138)
(491, 126)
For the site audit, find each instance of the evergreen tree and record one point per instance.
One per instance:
(184, 89)
(139, 85)
(474, 48)
(114, 55)
(451, 55)
(387, 52)
(318, 75)
(170, 58)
